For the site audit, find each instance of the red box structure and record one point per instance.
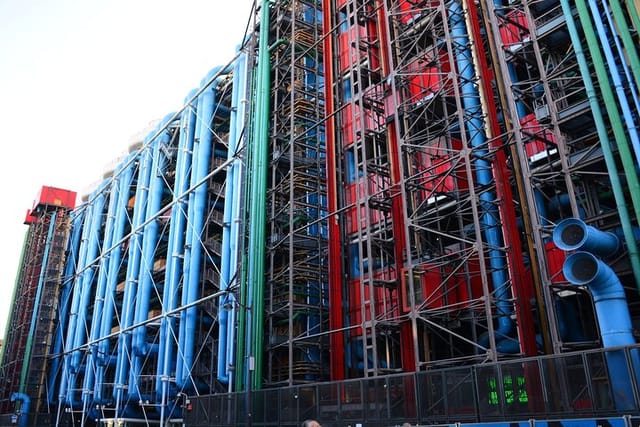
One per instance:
(52, 196)
(534, 135)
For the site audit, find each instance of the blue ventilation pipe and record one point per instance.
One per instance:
(583, 268)
(25, 405)
(122, 194)
(196, 213)
(230, 231)
(75, 282)
(133, 269)
(157, 184)
(101, 287)
(573, 234)
(475, 128)
(62, 316)
(76, 333)
(175, 253)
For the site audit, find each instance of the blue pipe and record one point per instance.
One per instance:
(67, 376)
(573, 234)
(614, 74)
(25, 404)
(475, 126)
(121, 194)
(84, 282)
(140, 347)
(583, 268)
(101, 287)
(133, 269)
(196, 214)
(70, 266)
(175, 250)
(228, 262)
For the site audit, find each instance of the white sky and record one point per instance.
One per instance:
(79, 78)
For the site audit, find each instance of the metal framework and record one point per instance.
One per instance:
(296, 271)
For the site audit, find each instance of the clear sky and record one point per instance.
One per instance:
(78, 79)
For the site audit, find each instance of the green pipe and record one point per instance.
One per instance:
(257, 211)
(34, 314)
(627, 41)
(601, 127)
(633, 12)
(7, 327)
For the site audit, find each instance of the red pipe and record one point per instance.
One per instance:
(336, 322)
(515, 261)
(397, 209)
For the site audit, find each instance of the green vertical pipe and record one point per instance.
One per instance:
(633, 12)
(13, 297)
(627, 41)
(34, 314)
(257, 212)
(601, 128)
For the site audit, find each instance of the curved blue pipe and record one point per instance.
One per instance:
(583, 268)
(101, 287)
(76, 333)
(196, 213)
(175, 250)
(229, 259)
(25, 405)
(140, 347)
(67, 376)
(484, 177)
(133, 269)
(70, 266)
(573, 234)
(124, 180)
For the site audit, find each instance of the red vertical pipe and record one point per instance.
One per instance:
(521, 283)
(397, 208)
(336, 323)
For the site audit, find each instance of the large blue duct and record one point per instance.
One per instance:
(121, 194)
(232, 217)
(573, 234)
(133, 269)
(583, 268)
(62, 315)
(175, 253)
(101, 287)
(484, 178)
(25, 404)
(207, 107)
(157, 184)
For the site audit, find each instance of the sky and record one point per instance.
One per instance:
(79, 79)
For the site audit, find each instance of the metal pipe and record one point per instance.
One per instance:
(207, 103)
(257, 208)
(25, 405)
(616, 80)
(337, 342)
(140, 347)
(175, 249)
(573, 234)
(131, 278)
(474, 125)
(53, 222)
(122, 194)
(627, 40)
(230, 233)
(602, 129)
(612, 310)
(84, 282)
(62, 316)
(92, 380)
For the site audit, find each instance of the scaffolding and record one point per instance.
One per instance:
(28, 344)
(296, 271)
